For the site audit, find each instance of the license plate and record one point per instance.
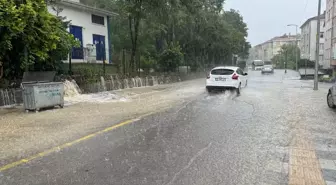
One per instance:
(220, 79)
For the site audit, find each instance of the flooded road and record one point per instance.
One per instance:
(217, 138)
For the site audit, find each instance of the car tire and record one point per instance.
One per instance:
(330, 101)
(238, 89)
(208, 89)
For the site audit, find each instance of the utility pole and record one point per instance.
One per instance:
(296, 48)
(286, 59)
(317, 55)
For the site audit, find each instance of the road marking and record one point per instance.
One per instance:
(304, 167)
(58, 148)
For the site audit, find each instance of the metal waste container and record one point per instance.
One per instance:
(38, 91)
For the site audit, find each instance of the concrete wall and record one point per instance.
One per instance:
(13, 97)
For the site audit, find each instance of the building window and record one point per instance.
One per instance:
(320, 58)
(321, 34)
(97, 19)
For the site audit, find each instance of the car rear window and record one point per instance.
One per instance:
(222, 72)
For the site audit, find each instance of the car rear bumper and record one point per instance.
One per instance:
(268, 71)
(229, 84)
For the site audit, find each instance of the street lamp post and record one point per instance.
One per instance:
(296, 44)
(317, 55)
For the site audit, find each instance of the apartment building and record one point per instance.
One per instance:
(308, 39)
(267, 50)
(330, 35)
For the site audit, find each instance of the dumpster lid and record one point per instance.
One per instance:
(38, 76)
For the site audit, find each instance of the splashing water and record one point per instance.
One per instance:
(147, 81)
(71, 88)
(103, 84)
(139, 81)
(155, 82)
(102, 97)
(134, 83)
(112, 81)
(126, 86)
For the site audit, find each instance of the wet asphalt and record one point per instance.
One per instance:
(217, 138)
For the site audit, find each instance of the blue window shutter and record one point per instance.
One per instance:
(77, 32)
(99, 41)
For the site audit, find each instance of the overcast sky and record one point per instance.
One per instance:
(269, 18)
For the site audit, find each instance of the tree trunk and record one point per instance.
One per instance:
(1, 70)
(134, 23)
(130, 23)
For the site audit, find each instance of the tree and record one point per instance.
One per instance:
(30, 37)
(205, 34)
(171, 57)
(286, 58)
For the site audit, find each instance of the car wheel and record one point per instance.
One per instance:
(208, 89)
(238, 89)
(330, 101)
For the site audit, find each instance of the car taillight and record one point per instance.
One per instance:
(235, 76)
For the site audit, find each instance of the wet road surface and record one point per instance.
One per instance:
(217, 138)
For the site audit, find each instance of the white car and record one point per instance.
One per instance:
(226, 78)
(331, 97)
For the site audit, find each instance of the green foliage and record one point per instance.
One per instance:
(287, 56)
(171, 57)
(306, 63)
(147, 62)
(206, 34)
(31, 38)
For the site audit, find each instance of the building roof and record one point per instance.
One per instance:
(283, 37)
(322, 16)
(81, 6)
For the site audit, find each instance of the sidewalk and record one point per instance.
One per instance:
(23, 134)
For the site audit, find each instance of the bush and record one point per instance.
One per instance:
(171, 58)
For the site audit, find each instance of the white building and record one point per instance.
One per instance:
(308, 39)
(330, 35)
(267, 50)
(90, 26)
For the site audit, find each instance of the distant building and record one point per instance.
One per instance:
(267, 50)
(90, 26)
(308, 40)
(330, 35)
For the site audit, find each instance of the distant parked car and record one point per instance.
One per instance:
(267, 69)
(331, 97)
(226, 78)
